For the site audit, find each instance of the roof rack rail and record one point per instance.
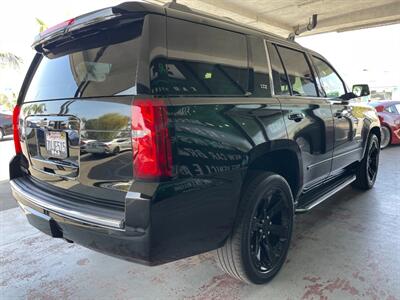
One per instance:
(177, 6)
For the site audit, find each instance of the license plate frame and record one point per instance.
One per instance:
(57, 144)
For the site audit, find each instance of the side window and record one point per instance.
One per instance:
(204, 60)
(298, 71)
(281, 84)
(260, 85)
(398, 108)
(392, 109)
(330, 80)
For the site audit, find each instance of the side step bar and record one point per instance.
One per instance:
(323, 194)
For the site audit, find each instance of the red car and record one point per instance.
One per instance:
(389, 115)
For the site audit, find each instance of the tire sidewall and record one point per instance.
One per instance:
(116, 150)
(272, 181)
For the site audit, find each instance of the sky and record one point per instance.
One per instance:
(369, 56)
(364, 56)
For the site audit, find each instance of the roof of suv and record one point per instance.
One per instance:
(183, 12)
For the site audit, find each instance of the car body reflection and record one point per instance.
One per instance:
(114, 146)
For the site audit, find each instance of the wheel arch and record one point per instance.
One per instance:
(280, 156)
(374, 130)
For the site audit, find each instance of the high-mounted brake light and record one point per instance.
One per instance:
(57, 27)
(17, 143)
(151, 145)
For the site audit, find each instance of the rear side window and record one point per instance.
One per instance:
(204, 60)
(298, 71)
(330, 80)
(281, 83)
(102, 65)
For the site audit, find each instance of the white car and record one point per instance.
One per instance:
(112, 147)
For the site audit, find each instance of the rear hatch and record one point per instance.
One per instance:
(77, 108)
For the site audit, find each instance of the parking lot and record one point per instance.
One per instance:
(348, 247)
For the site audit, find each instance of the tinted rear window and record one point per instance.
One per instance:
(203, 60)
(102, 65)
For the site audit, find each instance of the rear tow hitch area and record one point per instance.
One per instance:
(43, 222)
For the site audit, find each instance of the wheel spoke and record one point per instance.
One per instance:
(271, 251)
(370, 172)
(256, 244)
(267, 257)
(279, 230)
(256, 225)
(275, 209)
(267, 202)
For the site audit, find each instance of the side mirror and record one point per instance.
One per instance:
(361, 90)
(348, 96)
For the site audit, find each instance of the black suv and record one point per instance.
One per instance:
(155, 133)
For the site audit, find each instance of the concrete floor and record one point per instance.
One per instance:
(347, 248)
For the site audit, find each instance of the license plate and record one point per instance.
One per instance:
(56, 144)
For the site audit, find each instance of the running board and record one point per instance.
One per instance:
(322, 194)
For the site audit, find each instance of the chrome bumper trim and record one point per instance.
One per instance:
(99, 221)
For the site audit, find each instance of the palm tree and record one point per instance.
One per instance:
(42, 25)
(8, 59)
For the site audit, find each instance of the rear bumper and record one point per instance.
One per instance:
(108, 235)
(22, 193)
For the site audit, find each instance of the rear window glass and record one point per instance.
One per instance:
(281, 83)
(203, 60)
(108, 69)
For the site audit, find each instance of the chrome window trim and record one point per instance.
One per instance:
(271, 82)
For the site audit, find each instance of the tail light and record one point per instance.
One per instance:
(151, 145)
(15, 118)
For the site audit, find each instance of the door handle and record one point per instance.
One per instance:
(297, 117)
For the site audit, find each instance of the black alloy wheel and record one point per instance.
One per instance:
(269, 234)
(373, 160)
(367, 170)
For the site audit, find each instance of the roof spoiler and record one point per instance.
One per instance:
(71, 25)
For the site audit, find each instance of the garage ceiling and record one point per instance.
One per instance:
(281, 16)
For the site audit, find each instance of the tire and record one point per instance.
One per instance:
(258, 245)
(368, 168)
(385, 136)
(1, 134)
(116, 150)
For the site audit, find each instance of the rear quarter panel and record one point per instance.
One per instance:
(214, 140)
(367, 118)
